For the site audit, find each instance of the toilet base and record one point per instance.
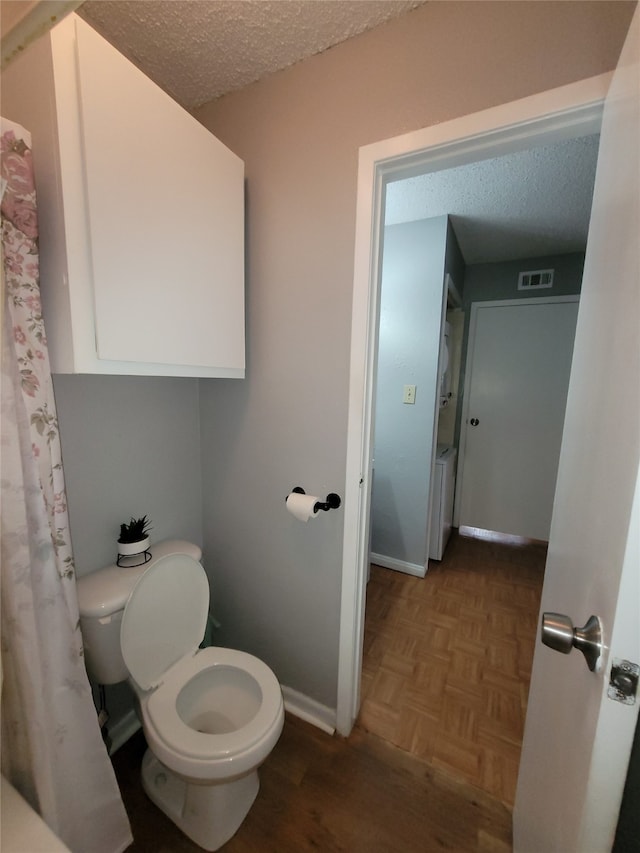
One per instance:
(207, 814)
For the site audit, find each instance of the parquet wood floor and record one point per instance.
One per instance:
(447, 659)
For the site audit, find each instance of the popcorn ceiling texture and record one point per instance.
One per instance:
(197, 50)
(526, 204)
(530, 204)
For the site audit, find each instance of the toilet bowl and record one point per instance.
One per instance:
(217, 715)
(210, 716)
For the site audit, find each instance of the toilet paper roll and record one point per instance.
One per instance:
(302, 506)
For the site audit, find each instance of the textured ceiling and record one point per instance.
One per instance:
(197, 50)
(527, 204)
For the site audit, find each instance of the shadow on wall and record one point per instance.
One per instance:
(386, 528)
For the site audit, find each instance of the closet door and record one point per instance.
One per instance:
(518, 364)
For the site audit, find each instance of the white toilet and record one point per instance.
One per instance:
(210, 716)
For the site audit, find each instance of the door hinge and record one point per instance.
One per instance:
(623, 682)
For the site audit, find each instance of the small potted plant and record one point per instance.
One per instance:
(134, 537)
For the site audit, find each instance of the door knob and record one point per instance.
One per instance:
(559, 634)
(474, 422)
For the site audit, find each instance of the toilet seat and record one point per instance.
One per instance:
(162, 711)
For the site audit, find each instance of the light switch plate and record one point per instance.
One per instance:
(409, 395)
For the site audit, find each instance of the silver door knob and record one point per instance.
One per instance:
(559, 634)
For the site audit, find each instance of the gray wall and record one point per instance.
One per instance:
(131, 446)
(277, 582)
(483, 282)
(413, 270)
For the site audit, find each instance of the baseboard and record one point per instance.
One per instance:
(121, 730)
(496, 536)
(309, 710)
(398, 565)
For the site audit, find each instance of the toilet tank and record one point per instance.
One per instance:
(102, 596)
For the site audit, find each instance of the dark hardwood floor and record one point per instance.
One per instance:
(327, 794)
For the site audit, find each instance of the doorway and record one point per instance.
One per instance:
(479, 225)
(573, 110)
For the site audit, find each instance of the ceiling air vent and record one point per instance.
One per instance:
(535, 280)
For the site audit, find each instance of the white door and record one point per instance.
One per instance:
(577, 740)
(515, 396)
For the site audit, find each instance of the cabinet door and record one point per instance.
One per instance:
(166, 220)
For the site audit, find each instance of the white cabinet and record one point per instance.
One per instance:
(141, 215)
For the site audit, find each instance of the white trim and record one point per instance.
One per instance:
(309, 710)
(562, 113)
(468, 375)
(496, 536)
(33, 23)
(414, 569)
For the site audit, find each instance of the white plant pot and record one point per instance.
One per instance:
(128, 549)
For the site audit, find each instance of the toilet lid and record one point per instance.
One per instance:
(165, 618)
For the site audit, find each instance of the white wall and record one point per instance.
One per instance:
(276, 581)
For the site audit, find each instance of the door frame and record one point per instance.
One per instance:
(476, 307)
(551, 116)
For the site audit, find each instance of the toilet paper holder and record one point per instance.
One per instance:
(333, 500)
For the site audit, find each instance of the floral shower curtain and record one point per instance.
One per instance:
(52, 750)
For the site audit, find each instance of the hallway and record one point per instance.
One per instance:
(447, 659)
